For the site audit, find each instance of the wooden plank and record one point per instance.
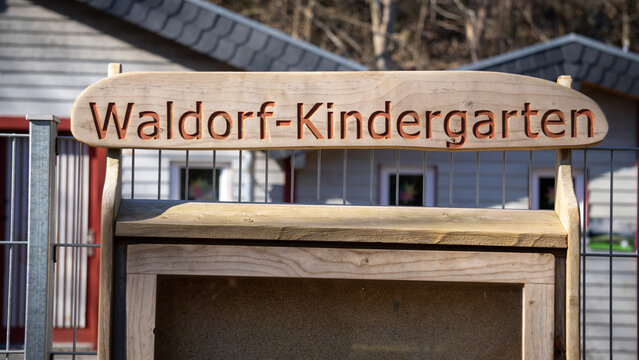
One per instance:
(560, 308)
(602, 318)
(17, 24)
(624, 349)
(17, 2)
(49, 94)
(38, 107)
(619, 332)
(140, 316)
(68, 67)
(374, 224)
(51, 79)
(29, 11)
(96, 54)
(567, 209)
(413, 110)
(111, 197)
(537, 327)
(328, 263)
(51, 38)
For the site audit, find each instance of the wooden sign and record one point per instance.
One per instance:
(447, 110)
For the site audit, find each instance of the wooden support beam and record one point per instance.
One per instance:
(111, 196)
(352, 224)
(567, 208)
(534, 271)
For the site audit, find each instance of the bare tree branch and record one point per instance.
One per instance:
(308, 13)
(417, 52)
(329, 33)
(532, 25)
(383, 21)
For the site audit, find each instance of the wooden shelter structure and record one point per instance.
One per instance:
(159, 252)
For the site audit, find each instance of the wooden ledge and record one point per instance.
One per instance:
(372, 224)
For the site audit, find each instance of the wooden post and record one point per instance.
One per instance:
(567, 208)
(41, 236)
(111, 196)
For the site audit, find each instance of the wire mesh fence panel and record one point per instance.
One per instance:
(13, 249)
(75, 255)
(605, 181)
(73, 248)
(609, 290)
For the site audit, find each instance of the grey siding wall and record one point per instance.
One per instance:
(267, 187)
(51, 50)
(49, 53)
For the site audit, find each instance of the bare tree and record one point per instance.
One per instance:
(383, 22)
(473, 26)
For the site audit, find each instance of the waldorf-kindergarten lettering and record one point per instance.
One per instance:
(382, 124)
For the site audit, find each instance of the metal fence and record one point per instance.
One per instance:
(608, 194)
(14, 249)
(44, 227)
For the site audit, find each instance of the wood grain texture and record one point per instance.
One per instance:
(114, 69)
(111, 197)
(410, 225)
(567, 209)
(140, 316)
(327, 263)
(560, 308)
(413, 110)
(537, 327)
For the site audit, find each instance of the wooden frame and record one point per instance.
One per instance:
(536, 272)
(536, 231)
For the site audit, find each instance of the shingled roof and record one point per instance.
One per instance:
(225, 35)
(582, 58)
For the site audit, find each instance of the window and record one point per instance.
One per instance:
(411, 186)
(200, 182)
(543, 189)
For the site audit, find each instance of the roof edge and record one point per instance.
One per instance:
(556, 42)
(278, 34)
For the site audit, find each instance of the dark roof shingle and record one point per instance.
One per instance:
(225, 35)
(582, 58)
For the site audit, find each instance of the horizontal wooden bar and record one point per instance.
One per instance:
(371, 224)
(323, 263)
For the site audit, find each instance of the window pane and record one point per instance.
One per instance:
(200, 184)
(410, 190)
(546, 193)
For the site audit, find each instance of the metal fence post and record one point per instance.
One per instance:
(41, 235)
